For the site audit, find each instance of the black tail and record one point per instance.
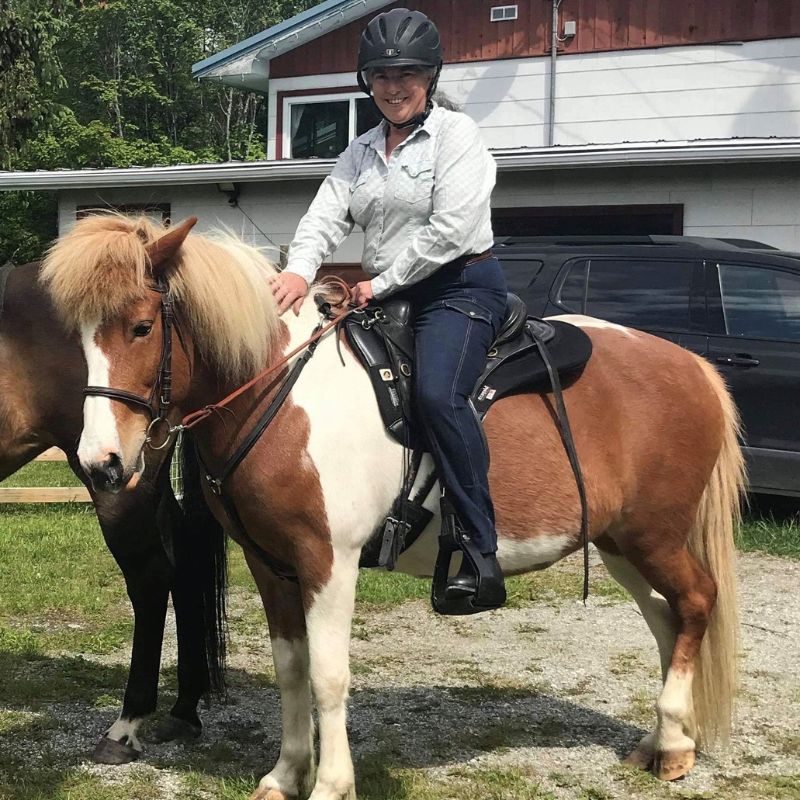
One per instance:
(208, 553)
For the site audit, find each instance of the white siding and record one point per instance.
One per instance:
(670, 93)
(759, 202)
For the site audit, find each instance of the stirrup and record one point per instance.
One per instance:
(456, 601)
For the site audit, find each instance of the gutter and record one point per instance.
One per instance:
(510, 160)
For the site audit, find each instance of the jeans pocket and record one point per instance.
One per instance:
(469, 308)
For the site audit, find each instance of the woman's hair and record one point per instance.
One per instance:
(441, 99)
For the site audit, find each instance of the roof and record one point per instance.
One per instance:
(666, 246)
(627, 154)
(246, 64)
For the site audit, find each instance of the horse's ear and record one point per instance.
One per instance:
(161, 251)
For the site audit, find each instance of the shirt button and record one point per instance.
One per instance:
(472, 313)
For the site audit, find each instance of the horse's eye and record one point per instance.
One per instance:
(142, 328)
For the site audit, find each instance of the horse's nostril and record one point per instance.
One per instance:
(107, 476)
(114, 470)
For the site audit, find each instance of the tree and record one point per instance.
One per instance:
(30, 70)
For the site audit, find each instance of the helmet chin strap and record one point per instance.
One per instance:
(415, 121)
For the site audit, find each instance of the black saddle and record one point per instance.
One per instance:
(383, 339)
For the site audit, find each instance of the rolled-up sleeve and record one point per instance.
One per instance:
(327, 221)
(464, 177)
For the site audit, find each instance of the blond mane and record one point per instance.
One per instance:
(219, 285)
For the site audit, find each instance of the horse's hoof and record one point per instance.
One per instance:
(270, 794)
(641, 758)
(669, 765)
(172, 728)
(109, 751)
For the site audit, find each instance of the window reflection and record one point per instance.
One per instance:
(758, 302)
(320, 130)
(652, 294)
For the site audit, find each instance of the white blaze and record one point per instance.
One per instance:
(100, 436)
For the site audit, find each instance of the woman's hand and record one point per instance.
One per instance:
(289, 289)
(361, 293)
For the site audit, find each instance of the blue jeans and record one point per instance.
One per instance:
(457, 314)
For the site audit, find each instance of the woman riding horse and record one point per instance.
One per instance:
(420, 185)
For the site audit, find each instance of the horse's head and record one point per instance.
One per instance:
(123, 313)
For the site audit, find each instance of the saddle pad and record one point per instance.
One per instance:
(519, 367)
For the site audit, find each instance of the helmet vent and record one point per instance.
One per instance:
(421, 31)
(382, 26)
(403, 27)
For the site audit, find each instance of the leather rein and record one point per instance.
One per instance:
(157, 405)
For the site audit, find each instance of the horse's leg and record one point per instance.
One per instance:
(690, 594)
(293, 774)
(659, 618)
(183, 721)
(328, 620)
(140, 555)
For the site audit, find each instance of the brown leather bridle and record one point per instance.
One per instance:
(158, 403)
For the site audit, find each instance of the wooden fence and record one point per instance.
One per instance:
(47, 494)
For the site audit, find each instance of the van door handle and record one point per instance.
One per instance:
(742, 360)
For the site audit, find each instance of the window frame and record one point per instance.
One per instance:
(127, 208)
(697, 308)
(714, 295)
(351, 95)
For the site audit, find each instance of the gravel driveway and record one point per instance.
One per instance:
(533, 702)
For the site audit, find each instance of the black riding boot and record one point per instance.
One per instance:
(478, 586)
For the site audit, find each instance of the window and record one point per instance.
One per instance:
(760, 303)
(641, 294)
(321, 126)
(500, 13)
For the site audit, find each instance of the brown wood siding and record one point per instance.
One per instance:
(468, 35)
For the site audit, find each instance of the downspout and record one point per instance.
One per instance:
(551, 120)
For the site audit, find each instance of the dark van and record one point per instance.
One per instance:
(735, 302)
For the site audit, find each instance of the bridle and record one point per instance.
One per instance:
(158, 403)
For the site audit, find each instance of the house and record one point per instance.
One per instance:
(642, 116)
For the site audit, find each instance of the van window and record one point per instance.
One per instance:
(654, 295)
(759, 302)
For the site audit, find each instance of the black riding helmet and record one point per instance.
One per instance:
(401, 38)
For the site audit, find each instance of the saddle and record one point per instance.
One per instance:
(383, 339)
(521, 358)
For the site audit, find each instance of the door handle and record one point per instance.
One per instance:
(738, 361)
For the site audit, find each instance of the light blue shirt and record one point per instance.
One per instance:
(424, 206)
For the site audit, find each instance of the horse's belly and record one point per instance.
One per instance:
(515, 555)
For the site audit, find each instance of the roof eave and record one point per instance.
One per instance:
(578, 156)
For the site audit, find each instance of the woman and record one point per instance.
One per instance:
(420, 184)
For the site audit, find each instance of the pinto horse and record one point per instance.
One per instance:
(654, 426)
(42, 374)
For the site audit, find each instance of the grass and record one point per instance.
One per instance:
(776, 537)
(42, 473)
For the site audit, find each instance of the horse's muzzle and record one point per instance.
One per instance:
(107, 476)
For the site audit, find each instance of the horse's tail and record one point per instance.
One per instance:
(711, 542)
(209, 563)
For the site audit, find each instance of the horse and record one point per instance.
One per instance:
(42, 374)
(654, 426)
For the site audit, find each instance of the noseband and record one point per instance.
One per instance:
(161, 394)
